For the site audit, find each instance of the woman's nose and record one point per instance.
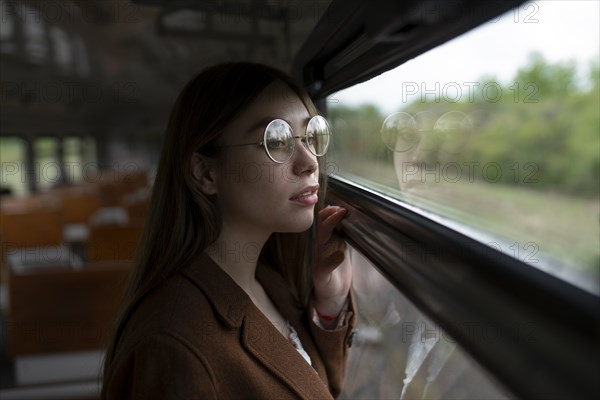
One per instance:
(304, 161)
(426, 149)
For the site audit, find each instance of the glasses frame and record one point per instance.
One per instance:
(303, 139)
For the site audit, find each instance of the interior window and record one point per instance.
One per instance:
(72, 156)
(12, 160)
(48, 171)
(495, 132)
(398, 353)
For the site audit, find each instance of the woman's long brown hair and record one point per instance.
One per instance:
(182, 221)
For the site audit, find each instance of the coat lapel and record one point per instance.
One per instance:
(293, 311)
(278, 355)
(258, 336)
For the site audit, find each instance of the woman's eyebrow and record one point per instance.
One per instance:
(260, 124)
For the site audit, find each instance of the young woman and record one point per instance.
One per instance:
(233, 296)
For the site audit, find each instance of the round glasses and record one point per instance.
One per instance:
(279, 140)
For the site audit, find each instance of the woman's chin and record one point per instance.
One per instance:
(299, 225)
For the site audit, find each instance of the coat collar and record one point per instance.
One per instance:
(228, 299)
(260, 338)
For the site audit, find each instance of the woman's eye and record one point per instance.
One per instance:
(407, 136)
(277, 144)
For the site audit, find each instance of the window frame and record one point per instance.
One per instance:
(546, 330)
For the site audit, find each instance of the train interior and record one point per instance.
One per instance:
(453, 299)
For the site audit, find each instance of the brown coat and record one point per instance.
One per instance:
(199, 336)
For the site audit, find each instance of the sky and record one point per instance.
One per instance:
(559, 30)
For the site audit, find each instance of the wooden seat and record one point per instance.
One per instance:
(116, 184)
(134, 180)
(63, 310)
(113, 242)
(32, 227)
(111, 194)
(137, 211)
(79, 205)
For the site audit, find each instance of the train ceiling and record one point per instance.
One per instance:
(69, 65)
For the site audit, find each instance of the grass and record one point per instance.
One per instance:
(565, 228)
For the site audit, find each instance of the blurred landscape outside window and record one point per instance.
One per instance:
(496, 131)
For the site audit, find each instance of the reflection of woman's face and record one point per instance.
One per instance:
(416, 147)
(427, 144)
(253, 191)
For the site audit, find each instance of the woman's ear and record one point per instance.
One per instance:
(204, 173)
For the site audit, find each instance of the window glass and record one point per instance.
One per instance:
(48, 171)
(495, 131)
(82, 62)
(72, 156)
(12, 162)
(397, 353)
(63, 52)
(34, 31)
(88, 157)
(7, 29)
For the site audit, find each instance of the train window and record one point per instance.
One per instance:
(12, 154)
(34, 31)
(46, 162)
(88, 153)
(72, 156)
(494, 133)
(398, 353)
(7, 30)
(82, 63)
(61, 47)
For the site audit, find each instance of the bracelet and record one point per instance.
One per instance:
(326, 317)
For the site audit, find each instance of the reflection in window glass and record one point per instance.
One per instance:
(36, 46)
(497, 130)
(62, 49)
(7, 29)
(82, 63)
(397, 353)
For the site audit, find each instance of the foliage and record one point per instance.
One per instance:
(544, 131)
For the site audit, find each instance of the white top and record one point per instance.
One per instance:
(293, 337)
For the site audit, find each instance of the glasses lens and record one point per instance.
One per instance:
(399, 132)
(279, 140)
(317, 135)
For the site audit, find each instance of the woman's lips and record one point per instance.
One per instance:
(307, 196)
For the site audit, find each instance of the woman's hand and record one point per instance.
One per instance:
(331, 271)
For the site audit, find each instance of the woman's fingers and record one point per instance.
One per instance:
(327, 220)
(326, 212)
(329, 256)
(331, 272)
(330, 249)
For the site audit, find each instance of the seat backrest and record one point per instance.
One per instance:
(79, 206)
(62, 310)
(34, 227)
(113, 242)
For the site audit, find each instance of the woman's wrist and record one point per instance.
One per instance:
(333, 320)
(327, 318)
(330, 309)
